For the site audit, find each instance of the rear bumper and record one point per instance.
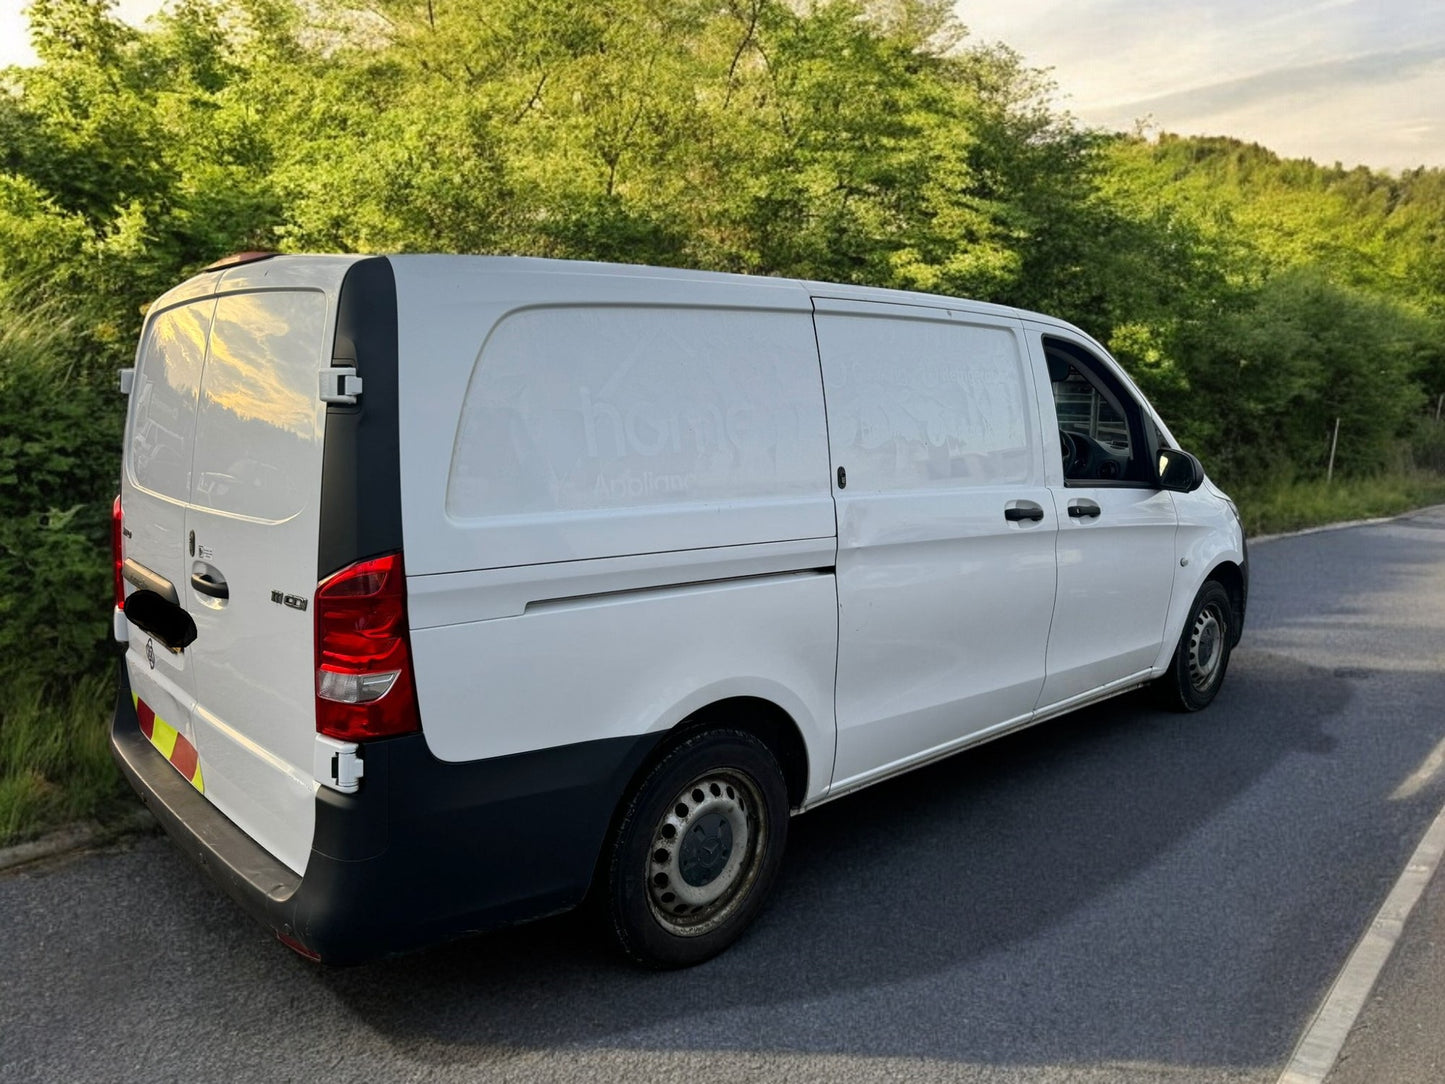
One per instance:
(424, 851)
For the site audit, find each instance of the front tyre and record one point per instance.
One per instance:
(1202, 657)
(696, 850)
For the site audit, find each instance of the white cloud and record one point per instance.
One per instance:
(1355, 81)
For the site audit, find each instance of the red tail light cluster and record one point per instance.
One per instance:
(117, 552)
(364, 686)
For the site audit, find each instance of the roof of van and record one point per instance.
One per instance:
(816, 288)
(287, 270)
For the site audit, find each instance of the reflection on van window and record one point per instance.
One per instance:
(164, 418)
(924, 403)
(592, 407)
(260, 405)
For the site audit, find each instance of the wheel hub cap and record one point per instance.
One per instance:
(704, 852)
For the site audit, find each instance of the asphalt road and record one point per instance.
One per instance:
(1121, 895)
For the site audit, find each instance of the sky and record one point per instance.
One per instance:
(1348, 81)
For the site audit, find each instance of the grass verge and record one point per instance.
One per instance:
(1294, 505)
(55, 765)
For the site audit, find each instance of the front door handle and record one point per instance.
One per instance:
(204, 585)
(1016, 511)
(1082, 509)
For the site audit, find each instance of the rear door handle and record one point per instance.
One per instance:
(1015, 511)
(204, 585)
(1083, 509)
(135, 572)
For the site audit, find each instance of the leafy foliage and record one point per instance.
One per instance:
(57, 471)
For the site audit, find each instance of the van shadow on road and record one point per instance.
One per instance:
(923, 877)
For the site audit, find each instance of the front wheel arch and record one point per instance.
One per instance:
(1229, 576)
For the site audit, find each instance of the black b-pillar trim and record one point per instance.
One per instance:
(361, 466)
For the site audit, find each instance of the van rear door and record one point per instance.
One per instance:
(155, 487)
(250, 561)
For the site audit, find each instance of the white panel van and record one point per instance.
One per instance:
(457, 589)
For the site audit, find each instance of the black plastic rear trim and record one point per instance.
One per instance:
(425, 850)
(361, 466)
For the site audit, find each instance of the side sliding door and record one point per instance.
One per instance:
(946, 530)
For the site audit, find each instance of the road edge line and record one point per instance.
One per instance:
(1319, 1047)
(1343, 525)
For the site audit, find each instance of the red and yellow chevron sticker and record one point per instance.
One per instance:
(172, 743)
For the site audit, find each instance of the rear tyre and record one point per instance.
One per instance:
(1202, 656)
(697, 849)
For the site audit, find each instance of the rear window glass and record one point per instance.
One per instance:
(164, 411)
(624, 407)
(260, 417)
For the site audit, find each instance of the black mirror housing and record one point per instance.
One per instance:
(1179, 471)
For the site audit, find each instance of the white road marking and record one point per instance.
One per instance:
(1422, 775)
(1320, 1046)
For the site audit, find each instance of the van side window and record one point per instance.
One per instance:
(924, 403)
(164, 417)
(1101, 428)
(259, 404)
(613, 408)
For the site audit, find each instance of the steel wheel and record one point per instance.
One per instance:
(705, 852)
(1206, 646)
(697, 848)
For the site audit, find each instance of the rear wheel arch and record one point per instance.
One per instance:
(761, 718)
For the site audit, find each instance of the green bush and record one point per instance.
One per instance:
(59, 446)
(1427, 445)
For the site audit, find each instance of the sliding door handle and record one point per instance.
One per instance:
(1016, 511)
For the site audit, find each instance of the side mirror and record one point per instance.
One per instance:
(1179, 471)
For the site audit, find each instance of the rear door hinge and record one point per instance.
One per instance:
(340, 384)
(338, 764)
